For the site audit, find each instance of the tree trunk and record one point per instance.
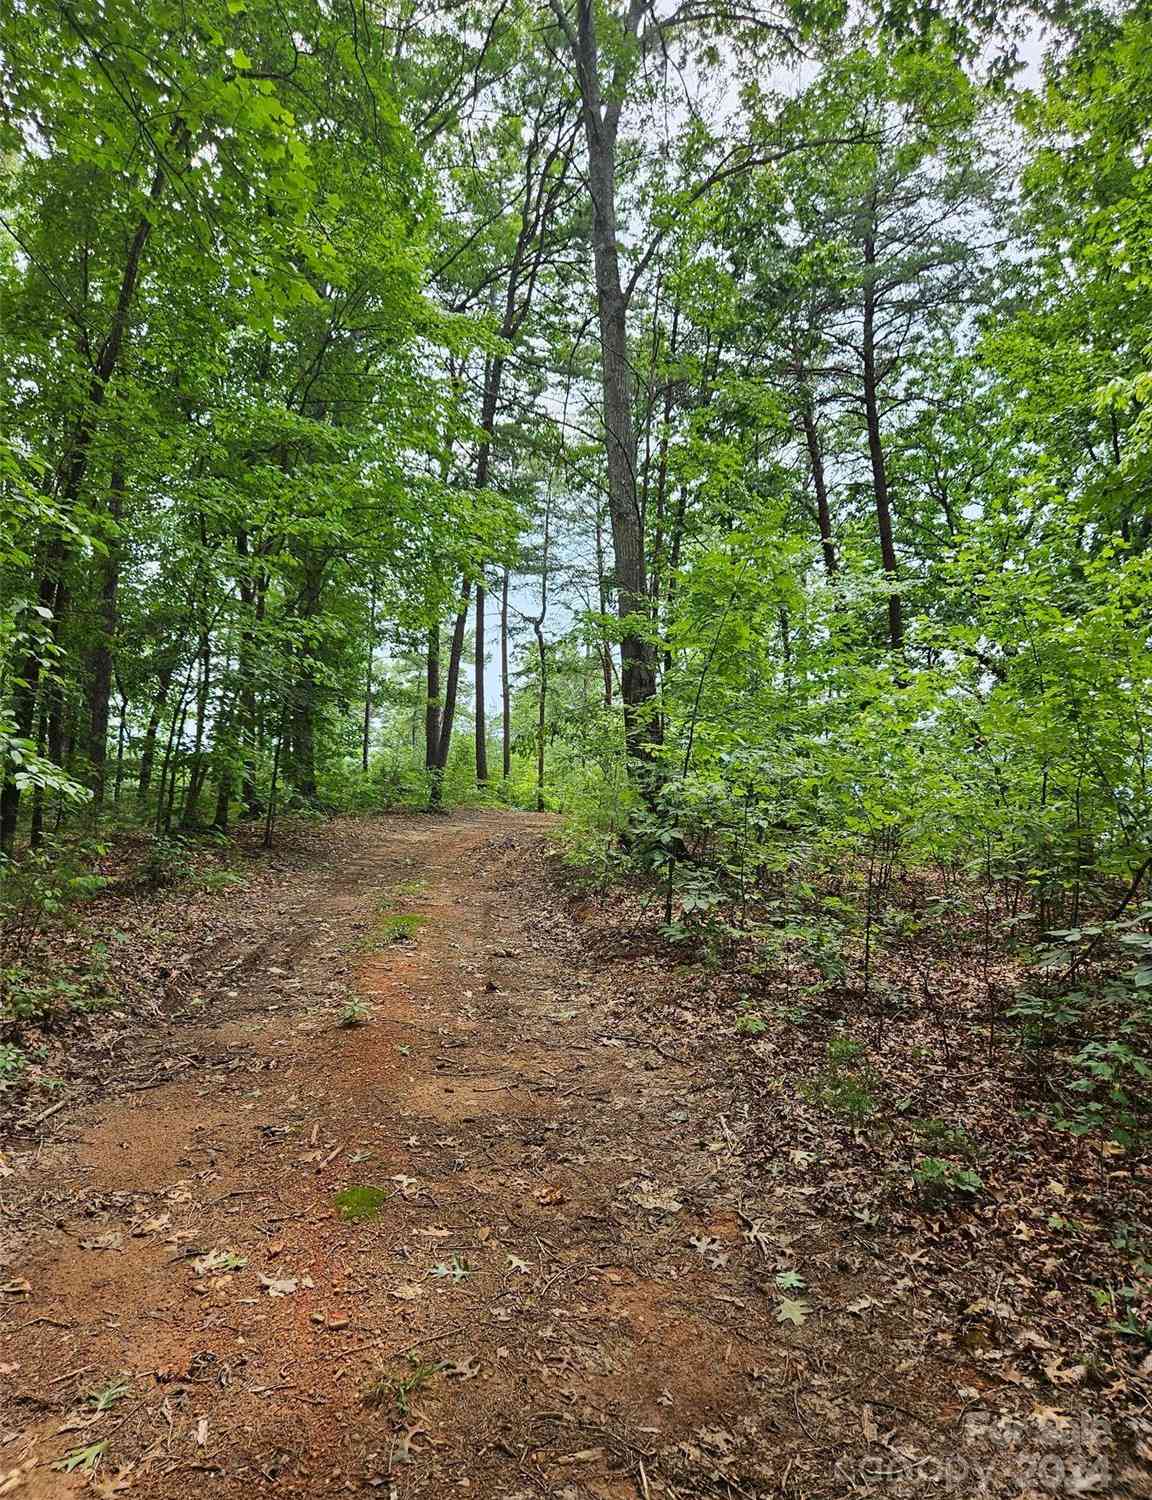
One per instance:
(100, 662)
(876, 447)
(816, 464)
(365, 739)
(481, 717)
(432, 706)
(637, 654)
(505, 683)
(455, 656)
(148, 750)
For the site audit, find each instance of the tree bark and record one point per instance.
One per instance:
(876, 454)
(601, 123)
(101, 659)
(481, 717)
(505, 684)
(819, 484)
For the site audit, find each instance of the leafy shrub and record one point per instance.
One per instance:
(12, 1063)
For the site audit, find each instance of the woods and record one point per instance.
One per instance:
(723, 425)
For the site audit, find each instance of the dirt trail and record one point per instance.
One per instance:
(565, 1286)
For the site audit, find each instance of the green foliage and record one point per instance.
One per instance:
(842, 1089)
(939, 1179)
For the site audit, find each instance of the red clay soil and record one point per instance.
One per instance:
(563, 1284)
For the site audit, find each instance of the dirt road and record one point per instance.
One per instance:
(435, 1214)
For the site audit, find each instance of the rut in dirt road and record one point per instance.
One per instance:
(435, 1217)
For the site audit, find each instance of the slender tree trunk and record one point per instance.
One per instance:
(481, 716)
(198, 767)
(541, 713)
(876, 447)
(365, 740)
(602, 591)
(148, 749)
(432, 706)
(505, 683)
(100, 665)
(816, 465)
(455, 656)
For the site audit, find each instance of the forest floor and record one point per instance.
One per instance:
(508, 1234)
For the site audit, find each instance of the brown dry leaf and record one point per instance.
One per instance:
(143, 1226)
(585, 1456)
(108, 1485)
(404, 1452)
(112, 1240)
(283, 1286)
(861, 1305)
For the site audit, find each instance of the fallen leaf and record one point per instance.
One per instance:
(105, 1486)
(791, 1311)
(861, 1305)
(407, 1291)
(217, 1261)
(279, 1287)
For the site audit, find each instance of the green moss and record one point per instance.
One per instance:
(356, 1203)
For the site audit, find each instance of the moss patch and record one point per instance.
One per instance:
(357, 1203)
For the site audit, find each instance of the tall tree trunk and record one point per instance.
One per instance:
(148, 749)
(816, 466)
(876, 447)
(481, 716)
(455, 656)
(100, 662)
(637, 654)
(366, 736)
(432, 706)
(505, 684)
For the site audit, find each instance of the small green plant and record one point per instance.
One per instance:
(395, 927)
(12, 1063)
(389, 1389)
(354, 1013)
(749, 1021)
(841, 1089)
(217, 880)
(357, 1203)
(939, 1179)
(942, 1136)
(106, 1399)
